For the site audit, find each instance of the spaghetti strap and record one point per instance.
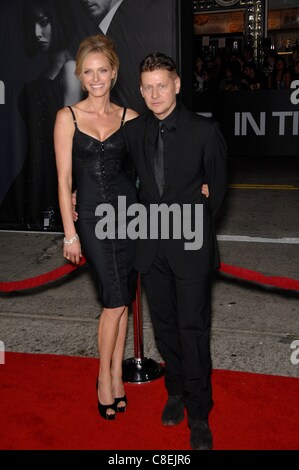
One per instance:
(74, 117)
(123, 117)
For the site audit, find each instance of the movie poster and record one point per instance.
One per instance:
(39, 40)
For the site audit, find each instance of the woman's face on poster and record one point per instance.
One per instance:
(42, 30)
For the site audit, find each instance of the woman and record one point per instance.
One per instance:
(89, 140)
(296, 73)
(200, 76)
(231, 81)
(280, 78)
(49, 30)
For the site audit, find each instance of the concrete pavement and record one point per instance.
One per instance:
(253, 326)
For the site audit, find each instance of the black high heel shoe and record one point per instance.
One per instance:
(121, 409)
(104, 408)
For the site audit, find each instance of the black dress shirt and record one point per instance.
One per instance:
(170, 126)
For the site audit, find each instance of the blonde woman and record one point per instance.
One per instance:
(89, 143)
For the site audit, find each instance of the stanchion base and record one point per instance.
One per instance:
(141, 370)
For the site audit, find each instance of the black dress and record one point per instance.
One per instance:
(101, 178)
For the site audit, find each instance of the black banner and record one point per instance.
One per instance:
(255, 123)
(39, 40)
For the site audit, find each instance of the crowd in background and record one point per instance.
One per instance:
(241, 72)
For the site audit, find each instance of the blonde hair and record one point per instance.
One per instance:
(93, 44)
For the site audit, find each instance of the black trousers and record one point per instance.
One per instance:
(181, 315)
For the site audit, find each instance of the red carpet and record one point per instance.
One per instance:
(49, 402)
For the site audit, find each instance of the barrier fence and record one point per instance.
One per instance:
(279, 282)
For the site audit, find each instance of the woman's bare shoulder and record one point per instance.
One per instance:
(63, 113)
(64, 116)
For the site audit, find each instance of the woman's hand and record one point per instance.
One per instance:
(72, 252)
(205, 190)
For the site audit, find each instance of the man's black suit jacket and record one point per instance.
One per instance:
(200, 157)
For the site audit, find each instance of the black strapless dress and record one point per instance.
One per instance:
(100, 176)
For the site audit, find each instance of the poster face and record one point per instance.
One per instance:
(37, 79)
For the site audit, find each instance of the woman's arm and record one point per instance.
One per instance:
(63, 141)
(72, 92)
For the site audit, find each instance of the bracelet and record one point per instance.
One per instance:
(71, 240)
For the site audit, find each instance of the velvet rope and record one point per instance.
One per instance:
(254, 276)
(37, 281)
(235, 271)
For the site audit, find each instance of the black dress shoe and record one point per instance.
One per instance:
(201, 436)
(173, 412)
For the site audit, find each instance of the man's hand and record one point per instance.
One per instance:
(205, 190)
(74, 203)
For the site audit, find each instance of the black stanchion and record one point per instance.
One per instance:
(140, 369)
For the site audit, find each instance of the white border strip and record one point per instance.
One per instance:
(241, 238)
(221, 238)
(31, 231)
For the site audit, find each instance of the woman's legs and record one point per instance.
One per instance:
(117, 359)
(111, 337)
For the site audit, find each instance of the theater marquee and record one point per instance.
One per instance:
(226, 3)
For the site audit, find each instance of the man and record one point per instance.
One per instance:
(177, 282)
(253, 79)
(102, 11)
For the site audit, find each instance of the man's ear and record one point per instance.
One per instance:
(177, 82)
(141, 91)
